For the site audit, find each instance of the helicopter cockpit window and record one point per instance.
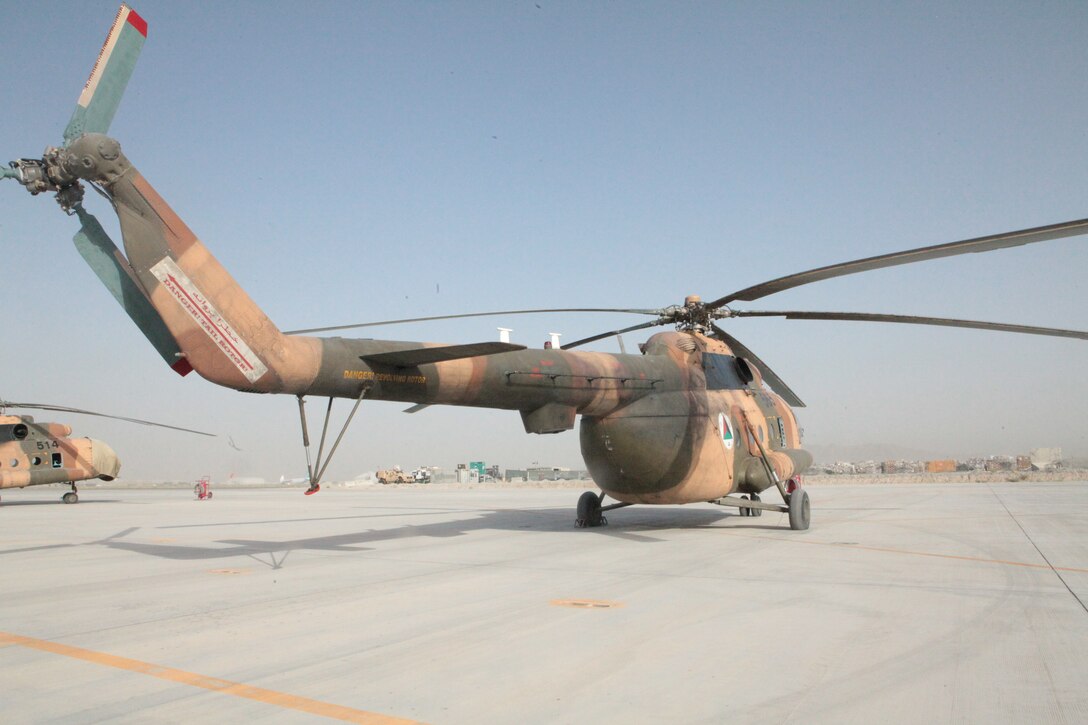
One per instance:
(721, 372)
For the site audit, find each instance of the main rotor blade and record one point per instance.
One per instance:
(470, 314)
(603, 335)
(776, 383)
(80, 411)
(979, 244)
(914, 320)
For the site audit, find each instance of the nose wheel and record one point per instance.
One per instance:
(589, 511)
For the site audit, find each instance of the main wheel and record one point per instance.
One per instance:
(70, 497)
(589, 511)
(755, 512)
(799, 510)
(744, 510)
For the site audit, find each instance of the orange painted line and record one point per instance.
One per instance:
(226, 687)
(924, 553)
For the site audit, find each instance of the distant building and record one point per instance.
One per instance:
(999, 463)
(1046, 459)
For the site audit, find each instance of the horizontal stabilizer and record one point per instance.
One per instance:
(102, 95)
(103, 256)
(423, 355)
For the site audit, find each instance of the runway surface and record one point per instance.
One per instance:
(904, 603)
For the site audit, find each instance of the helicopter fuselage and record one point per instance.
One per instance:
(33, 454)
(668, 426)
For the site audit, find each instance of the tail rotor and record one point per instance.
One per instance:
(94, 111)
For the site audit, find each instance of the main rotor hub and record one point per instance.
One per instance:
(695, 315)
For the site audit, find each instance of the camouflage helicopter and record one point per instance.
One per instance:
(696, 417)
(34, 454)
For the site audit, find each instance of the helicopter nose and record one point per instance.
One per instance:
(104, 460)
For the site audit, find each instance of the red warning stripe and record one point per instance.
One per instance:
(137, 22)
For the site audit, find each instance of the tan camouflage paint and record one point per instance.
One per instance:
(152, 233)
(621, 457)
(649, 429)
(28, 461)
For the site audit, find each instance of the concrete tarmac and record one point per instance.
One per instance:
(904, 603)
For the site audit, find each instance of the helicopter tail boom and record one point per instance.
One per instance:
(219, 330)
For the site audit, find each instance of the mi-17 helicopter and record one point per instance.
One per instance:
(35, 454)
(696, 417)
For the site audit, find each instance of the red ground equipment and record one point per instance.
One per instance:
(202, 488)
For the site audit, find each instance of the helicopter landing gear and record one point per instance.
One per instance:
(315, 472)
(72, 496)
(799, 509)
(751, 510)
(589, 511)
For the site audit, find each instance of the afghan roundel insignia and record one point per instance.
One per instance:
(725, 431)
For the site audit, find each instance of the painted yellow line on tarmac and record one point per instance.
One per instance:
(226, 687)
(887, 550)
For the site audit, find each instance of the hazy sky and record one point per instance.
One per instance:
(365, 161)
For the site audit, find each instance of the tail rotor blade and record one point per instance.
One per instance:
(103, 256)
(102, 94)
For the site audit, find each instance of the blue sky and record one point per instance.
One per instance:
(360, 161)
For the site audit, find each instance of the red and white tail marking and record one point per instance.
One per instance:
(124, 15)
(207, 317)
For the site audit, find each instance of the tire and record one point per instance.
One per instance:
(589, 511)
(755, 512)
(70, 497)
(799, 510)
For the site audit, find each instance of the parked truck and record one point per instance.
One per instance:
(396, 475)
(393, 475)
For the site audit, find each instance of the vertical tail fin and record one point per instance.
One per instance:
(220, 331)
(183, 300)
(93, 113)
